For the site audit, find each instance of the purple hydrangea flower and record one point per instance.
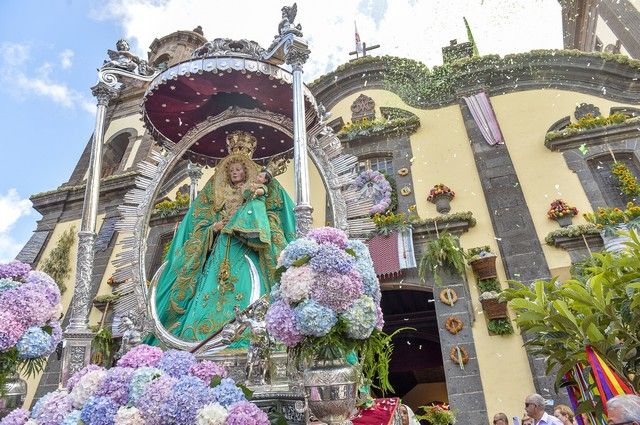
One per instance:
(296, 250)
(325, 235)
(15, 417)
(281, 324)
(34, 343)
(227, 393)
(99, 411)
(45, 281)
(73, 380)
(10, 331)
(330, 259)
(150, 403)
(27, 304)
(15, 269)
(337, 291)
(52, 408)
(176, 363)
(379, 318)
(188, 395)
(206, 370)
(370, 281)
(246, 413)
(115, 385)
(313, 319)
(141, 355)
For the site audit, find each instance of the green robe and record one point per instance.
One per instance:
(195, 294)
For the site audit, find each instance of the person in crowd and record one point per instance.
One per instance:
(565, 414)
(500, 419)
(527, 420)
(624, 410)
(534, 406)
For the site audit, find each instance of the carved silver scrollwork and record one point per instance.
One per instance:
(104, 92)
(81, 292)
(229, 47)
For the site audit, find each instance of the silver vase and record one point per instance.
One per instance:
(331, 388)
(15, 393)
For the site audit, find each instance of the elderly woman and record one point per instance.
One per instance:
(565, 414)
(500, 419)
(624, 410)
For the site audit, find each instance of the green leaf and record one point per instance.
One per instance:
(246, 391)
(351, 252)
(301, 261)
(563, 308)
(521, 303)
(594, 334)
(215, 381)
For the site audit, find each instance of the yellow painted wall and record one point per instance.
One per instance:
(442, 154)
(544, 176)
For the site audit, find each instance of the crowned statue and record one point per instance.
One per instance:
(224, 254)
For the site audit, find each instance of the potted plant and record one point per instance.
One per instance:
(614, 223)
(437, 414)
(561, 212)
(326, 310)
(441, 195)
(482, 261)
(500, 326)
(493, 307)
(441, 253)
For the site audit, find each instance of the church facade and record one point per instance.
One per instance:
(494, 130)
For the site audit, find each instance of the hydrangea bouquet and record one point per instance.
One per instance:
(147, 387)
(30, 312)
(326, 305)
(375, 184)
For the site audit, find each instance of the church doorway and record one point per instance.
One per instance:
(416, 371)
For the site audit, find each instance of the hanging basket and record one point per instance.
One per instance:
(494, 309)
(485, 267)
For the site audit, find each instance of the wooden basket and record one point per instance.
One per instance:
(494, 309)
(484, 268)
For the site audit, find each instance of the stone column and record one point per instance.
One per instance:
(77, 336)
(195, 173)
(296, 54)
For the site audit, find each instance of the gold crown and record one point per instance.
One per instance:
(241, 142)
(277, 165)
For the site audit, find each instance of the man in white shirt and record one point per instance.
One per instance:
(534, 406)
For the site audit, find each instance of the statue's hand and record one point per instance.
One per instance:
(218, 225)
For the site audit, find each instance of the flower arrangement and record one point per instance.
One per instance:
(559, 209)
(327, 303)
(147, 387)
(30, 310)
(168, 208)
(627, 180)
(437, 414)
(608, 218)
(366, 127)
(591, 121)
(390, 222)
(375, 184)
(440, 190)
(441, 253)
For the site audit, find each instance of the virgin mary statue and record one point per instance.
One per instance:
(224, 253)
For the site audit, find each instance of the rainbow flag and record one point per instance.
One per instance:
(610, 383)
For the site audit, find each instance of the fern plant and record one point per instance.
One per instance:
(58, 263)
(441, 253)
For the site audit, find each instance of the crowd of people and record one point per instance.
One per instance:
(621, 410)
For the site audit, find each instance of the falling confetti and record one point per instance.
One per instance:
(583, 149)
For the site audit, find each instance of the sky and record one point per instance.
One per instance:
(50, 49)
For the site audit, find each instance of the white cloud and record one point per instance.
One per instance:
(65, 58)
(12, 208)
(14, 54)
(408, 28)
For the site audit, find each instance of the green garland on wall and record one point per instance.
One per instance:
(58, 263)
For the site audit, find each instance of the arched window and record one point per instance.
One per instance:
(114, 151)
(377, 163)
(162, 62)
(600, 167)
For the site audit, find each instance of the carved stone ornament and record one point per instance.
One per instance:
(296, 57)
(286, 25)
(363, 107)
(229, 47)
(585, 109)
(127, 61)
(103, 93)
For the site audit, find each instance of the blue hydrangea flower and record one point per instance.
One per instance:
(176, 363)
(99, 411)
(34, 343)
(115, 384)
(360, 318)
(331, 259)
(296, 250)
(6, 283)
(314, 319)
(276, 294)
(188, 396)
(227, 393)
(72, 418)
(140, 380)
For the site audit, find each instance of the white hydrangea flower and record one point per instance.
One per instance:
(128, 416)
(212, 414)
(86, 387)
